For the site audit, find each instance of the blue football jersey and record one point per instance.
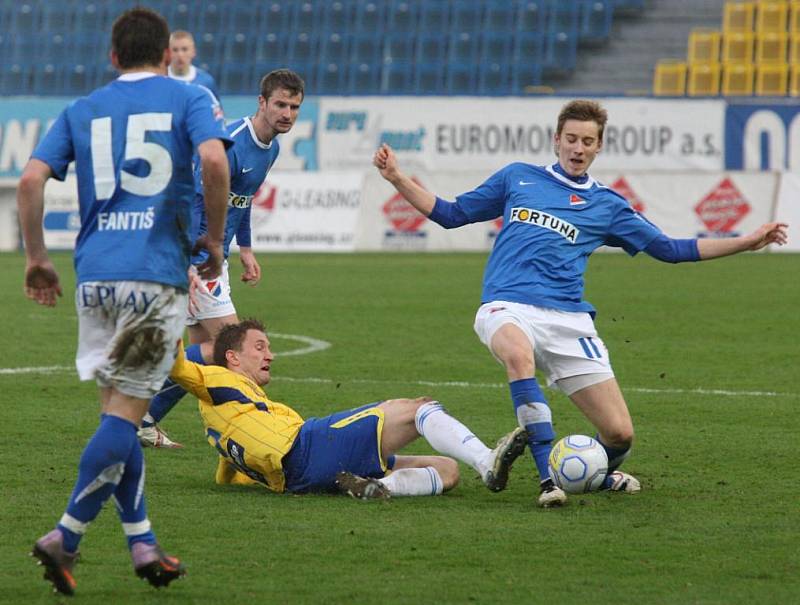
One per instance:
(551, 224)
(198, 76)
(132, 142)
(249, 160)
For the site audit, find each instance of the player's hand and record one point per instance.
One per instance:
(212, 267)
(41, 283)
(385, 161)
(769, 233)
(252, 270)
(195, 284)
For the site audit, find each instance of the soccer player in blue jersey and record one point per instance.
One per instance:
(255, 150)
(532, 310)
(182, 53)
(261, 441)
(132, 142)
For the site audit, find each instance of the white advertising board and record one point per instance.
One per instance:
(788, 211)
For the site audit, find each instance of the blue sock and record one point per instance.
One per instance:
(616, 456)
(100, 470)
(533, 414)
(129, 498)
(171, 393)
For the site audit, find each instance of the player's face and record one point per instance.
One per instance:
(577, 145)
(255, 357)
(280, 110)
(183, 52)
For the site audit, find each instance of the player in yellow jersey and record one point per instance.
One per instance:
(354, 451)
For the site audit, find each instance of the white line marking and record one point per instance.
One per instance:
(318, 345)
(314, 344)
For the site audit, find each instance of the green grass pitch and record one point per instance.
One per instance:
(707, 355)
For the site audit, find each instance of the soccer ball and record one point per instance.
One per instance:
(578, 464)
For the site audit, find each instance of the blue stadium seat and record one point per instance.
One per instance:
(238, 49)
(302, 46)
(57, 17)
(461, 78)
(595, 20)
(210, 47)
(560, 52)
(238, 79)
(434, 16)
(306, 70)
(367, 47)
(500, 16)
(464, 47)
(331, 79)
(15, 79)
(305, 17)
(528, 48)
(334, 48)
(532, 16)
(398, 78)
(496, 47)
(467, 15)
(337, 15)
(399, 47)
(563, 17)
(271, 48)
(628, 5)
(78, 80)
(401, 16)
(369, 16)
(525, 75)
(364, 79)
(275, 17)
(495, 79)
(27, 19)
(47, 79)
(243, 17)
(211, 18)
(183, 17)
(429, 78)
(431, 47)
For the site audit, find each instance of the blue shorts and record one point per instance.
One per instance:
(345, 441)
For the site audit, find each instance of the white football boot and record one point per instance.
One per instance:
(154, 436)
(551, 495)
(623, 482)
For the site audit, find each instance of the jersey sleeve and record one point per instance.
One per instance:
(56, 148)
(487, 201)
(204, 117)
(189, 375)
(630, 230)
(243, 233)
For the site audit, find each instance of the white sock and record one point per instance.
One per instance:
(414, 482)
(448, 436)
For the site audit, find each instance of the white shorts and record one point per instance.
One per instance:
(214, 300)
(128, 334)
(564, 343)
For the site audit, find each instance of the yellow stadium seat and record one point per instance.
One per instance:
(772, 16)
(738, 17)
(737, 46)
(771, 47)
(772, 80)
(704, 45)
(794, 48)
(794, 17)
(703, 80)
(737, 79)
(794, 80)
(669, 79)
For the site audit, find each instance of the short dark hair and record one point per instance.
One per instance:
(282, 78)
(139, 37)
(583, 111)
(230, 338)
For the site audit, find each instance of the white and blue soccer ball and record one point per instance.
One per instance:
(578, 464)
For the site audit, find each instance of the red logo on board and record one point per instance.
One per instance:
(622, 187)
(264, 198)
(402, 215)
(721, 209)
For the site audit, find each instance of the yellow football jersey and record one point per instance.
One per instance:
(250, 432)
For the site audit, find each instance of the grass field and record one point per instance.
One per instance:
(707, 355)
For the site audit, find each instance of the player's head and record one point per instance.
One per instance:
(244, 348)
(139, 38)
(579, 135)
(282, 92)
(182, 51)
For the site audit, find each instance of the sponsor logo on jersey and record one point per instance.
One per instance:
(239, 201)
(574, 200)
(541, 219)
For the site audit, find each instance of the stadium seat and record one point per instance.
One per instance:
(305, 17)
(434, 16)
(737, 46)
(270, 48)
(183, 17)
(496, 48)
(528, 48)
(794, 17)
(401, 16)
(495, 79)
(703, 45)
(430, 47)
(238, 79)
(429, 79)
(331, 79)
(771, 47)
(669, 78)
(398, 78)
(368, 47)
(563, 17)
(211, 19)
(560, 52)
(79, 79)
(738, 17)
(737, 79)
(305, 69)
(27, 19)
(275, 18)
(15, 79)
(337, 15)
(461, 78)
(500, 16)
(595, 18)
(47, 79)
(531, 16)
(210, 47)
(463, 47)
(364, 79)
(467, 15)
(368, 16)
(243, 17)
(526, 77)
(794, 48)
(772, 80)
(334, 48)
(772, 17)
(703, 80)
(794, 80)
(57, 17)
(628, 6)
(301, 46)
(238, 49)
(399, 47)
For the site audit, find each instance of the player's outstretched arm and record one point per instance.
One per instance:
(41, 279)
(768, 233)
(216, 184)
(385, 161)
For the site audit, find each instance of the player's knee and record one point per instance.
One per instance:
(620, 437)
(518, 361)
(448, 471)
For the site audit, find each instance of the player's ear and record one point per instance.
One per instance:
(231, 358)
(112, 56)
